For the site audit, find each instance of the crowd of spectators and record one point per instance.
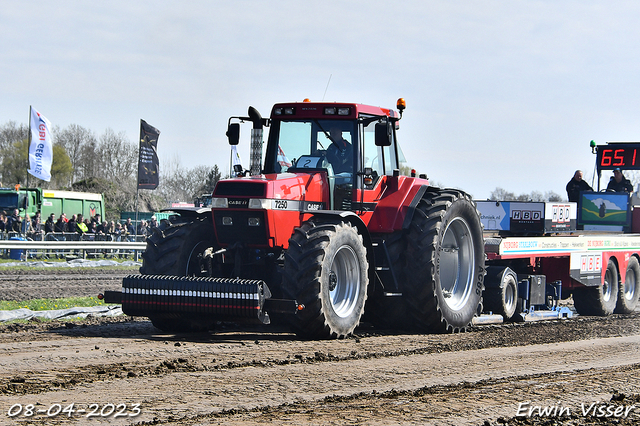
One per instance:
(33, 228)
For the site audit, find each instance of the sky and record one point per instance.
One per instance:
(499, 93)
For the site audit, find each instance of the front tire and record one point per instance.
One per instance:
(326, 270)
(176, 246)
(445, 262)
(175, 249)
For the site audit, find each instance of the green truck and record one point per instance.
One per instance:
(47, 201)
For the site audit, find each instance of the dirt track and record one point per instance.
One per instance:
(243, 375)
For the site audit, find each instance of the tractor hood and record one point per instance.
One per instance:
(263, 210)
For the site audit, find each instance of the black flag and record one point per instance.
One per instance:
(148, 157)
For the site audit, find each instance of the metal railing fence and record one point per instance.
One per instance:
(62, 245)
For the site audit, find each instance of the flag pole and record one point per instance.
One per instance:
(135, 229)
(135, 226)
(28, 145)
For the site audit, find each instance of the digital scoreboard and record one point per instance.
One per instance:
(626, 156)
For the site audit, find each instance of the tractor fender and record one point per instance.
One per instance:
(347, 216)
(411, 208)
(395, 210)
(355, 220)
(190, 212)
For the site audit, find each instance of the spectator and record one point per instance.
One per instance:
(102, 228)
(36, 223)
(128, 225)
(27, 227)
(111, 229)
(81, 225)
(50, 225)
(61, 224)
(3, 221)
(153, 223)
(72, 223)
(619, 183)
(142, 228)
(14, 222)
(96, 219)
(118, 231)
(91, 227)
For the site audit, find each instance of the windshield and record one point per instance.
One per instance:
(9, 201)
(330, 139)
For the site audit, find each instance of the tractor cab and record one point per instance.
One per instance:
(353, 145)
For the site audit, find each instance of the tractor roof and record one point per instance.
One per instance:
(333, 110)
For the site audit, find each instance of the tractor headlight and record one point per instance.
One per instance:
(219, 203)
(257, 203)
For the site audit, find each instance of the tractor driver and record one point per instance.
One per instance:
(340, 152)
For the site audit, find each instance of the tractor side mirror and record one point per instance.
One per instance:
(233, 133)
(383, 134)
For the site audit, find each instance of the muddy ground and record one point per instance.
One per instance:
(124, 371)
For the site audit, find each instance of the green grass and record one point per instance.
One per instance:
(62, 262)
(50, 304)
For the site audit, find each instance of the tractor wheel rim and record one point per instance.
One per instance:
(509, 295)
(345, 283)
(194, 266)
(629, 289)
(607, 286)
(457, 264)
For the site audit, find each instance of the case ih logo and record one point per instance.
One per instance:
(560, 214)
(243, 202)
(526, 215)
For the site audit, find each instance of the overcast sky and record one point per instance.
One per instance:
(499, 93)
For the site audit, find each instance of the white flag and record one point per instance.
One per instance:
(41, 149)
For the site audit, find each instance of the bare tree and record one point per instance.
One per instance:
(118, 157)
(213, 176)
(500, 194)
(12, 132)
(79, 143)
(553, 197)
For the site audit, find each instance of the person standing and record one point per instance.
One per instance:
(27, 226)
(3, 221)
(128, 226)
(61, 224)
(576, 185)
(49, 224)
(36, 226)
(72, 224)
(14, 222)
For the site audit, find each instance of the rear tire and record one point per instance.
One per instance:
(445, 262)
(600, 300)
(629, 290)
(326, 270)
(175, 249)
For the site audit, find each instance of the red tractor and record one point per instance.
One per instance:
(321, 232)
